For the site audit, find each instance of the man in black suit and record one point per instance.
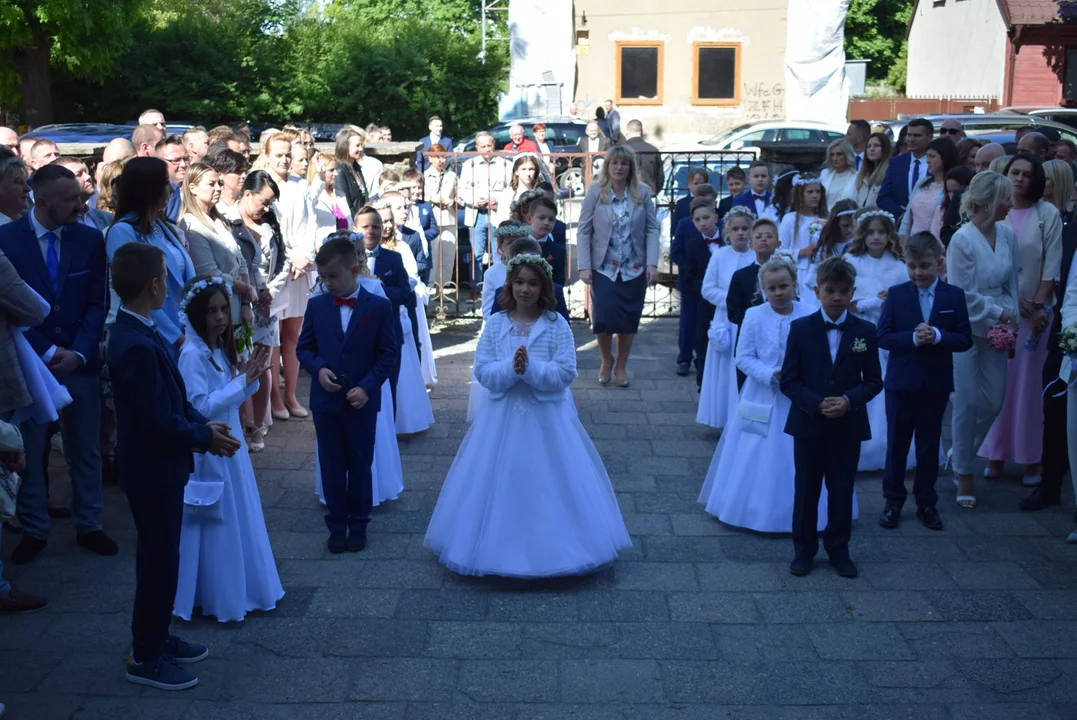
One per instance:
(1055, 458)
(744, 285)
(830, 373)
(648, 159)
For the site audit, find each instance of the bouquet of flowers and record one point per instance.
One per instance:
(244, 339)
(1002, 338)
(815, 229)
(1067, 340)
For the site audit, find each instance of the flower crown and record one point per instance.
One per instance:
(352, 237)
(513, 231)
(868, 214)
(381, 204)
(741, 210)
(526, 199)
(530, 259)
(802, 180)
(197, 289)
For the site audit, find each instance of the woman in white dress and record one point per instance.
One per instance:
(718, 393)
(296, 216)
(876, 255)
(330, 213)
(801, 228)
(839, 172)
(504, 235)
(982, 260)
(226, 562)
(414, 413)
(869, 179)
(750, 480)
(561, 516)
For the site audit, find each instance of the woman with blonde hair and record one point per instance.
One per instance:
(618, 238)
(869, 179)
(358, 174)
(982, 260)
(1059, 188)
(839, 171)
(110, 174)
(998, 165)
(330, 211)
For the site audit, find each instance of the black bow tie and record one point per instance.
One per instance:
(840, 327)
(759, 197)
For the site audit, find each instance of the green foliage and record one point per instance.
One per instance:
(875, 31)
(896, 77)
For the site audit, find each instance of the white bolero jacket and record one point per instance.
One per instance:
(211, 387)
(551, 353)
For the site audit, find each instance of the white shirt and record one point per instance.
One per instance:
(370, 260)
(41, 231)
(760, 204)
(593, 144)
(920, 177)
(713, 246)
(927, 300)
(144, 320)
(833, 337)
(346, 312)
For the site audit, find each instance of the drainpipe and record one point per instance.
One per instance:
(1012, 63)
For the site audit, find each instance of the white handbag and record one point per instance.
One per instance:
(202, 499)
(719, 335)
(755, 417)
(9, 492)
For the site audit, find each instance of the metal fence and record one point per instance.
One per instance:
(454, 264)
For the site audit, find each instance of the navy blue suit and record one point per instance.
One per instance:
(743, 294)
(556, 255)
(894, 193)
(425, 143)
(680, 211)
(747, 199)
(426, 220)
(1055, 456)
(558, 294)
(362, 356)
(389, 268)
(918, 384)
(415, 242)
(157, 432)
(689, 289)
(697, 256)
(559, 230)
(724, 205)
(823, 448)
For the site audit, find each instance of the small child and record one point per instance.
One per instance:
(350, 368)
(749, 483)
(541, 215)
(697, 177)
(688, 286)
(559, 227)
(735, 182)
(830, 374)
(801, 229)
(757, 198)
(507, 232)
(699, 250)
(875, 254)
(157, 434)
(833, 242)
(922, 324)
(718, 391)
(524, 246)
(527, 495)
(226, 562)
(744, 284)
(783, 196)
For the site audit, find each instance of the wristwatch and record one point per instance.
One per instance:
(1038, 305)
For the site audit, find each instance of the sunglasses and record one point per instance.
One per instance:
(949, 131)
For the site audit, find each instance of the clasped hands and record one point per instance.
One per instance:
(519, 360)
(356, 397)
(925, 334)
(833, 408)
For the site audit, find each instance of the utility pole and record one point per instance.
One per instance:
(491, 6)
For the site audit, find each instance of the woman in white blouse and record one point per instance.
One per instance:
(869, 178)
(330, 211)
(839, 172)
(982, 260)
(439, 189)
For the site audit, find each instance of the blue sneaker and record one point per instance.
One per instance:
(162, 673)
(184, 653)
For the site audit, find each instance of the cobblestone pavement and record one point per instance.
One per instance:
(697, 621)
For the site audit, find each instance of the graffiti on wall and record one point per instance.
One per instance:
(760, 100)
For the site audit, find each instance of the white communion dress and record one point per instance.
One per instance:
(226, 562)
(718, 392)
(492, 280)
(750, 480)
(527, 494)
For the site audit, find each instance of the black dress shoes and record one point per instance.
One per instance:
(338, 542)
(844, 567)
(1038, 500)
(929, 517)
(891, 516)
(801, 565)
(98, 542)
(356, 540)
(27, 550)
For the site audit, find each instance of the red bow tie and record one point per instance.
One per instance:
(714, 241)
(339, 302)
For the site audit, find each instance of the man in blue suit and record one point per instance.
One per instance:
(434, 138)
(830, 374)
(172, 150)
(923, 323)
(64, 262)
(757, 197)
(907, 170)
(349, 347)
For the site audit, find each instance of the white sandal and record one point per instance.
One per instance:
(968, 502)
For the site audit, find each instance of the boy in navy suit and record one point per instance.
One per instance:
(735, 181)
(923, 323)
(758, 196)
(684, 232)
(830, 373)
(349, 347)
(698, 251)
(541, 216)
(697, 177)
(157, 432)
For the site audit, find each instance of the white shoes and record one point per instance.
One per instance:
(1030, 480)
(992, 474)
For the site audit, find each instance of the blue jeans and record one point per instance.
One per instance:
(480, 241)
(80, 422)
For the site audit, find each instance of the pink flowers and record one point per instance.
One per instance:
(1002, 338)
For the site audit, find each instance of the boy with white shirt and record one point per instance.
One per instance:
(541, 215)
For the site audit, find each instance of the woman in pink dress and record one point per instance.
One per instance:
(924, 211)
(1017, 433)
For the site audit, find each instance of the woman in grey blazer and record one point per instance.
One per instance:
(617, 237)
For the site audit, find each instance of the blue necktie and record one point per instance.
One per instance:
(52, 259)
(915, 174)
(925, 304)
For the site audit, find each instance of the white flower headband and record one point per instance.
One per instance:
(801, 180)
(513, 231)
(526, 199)
(843, 213)
(785, 174)
(530, 259)
(197, 289)
(868, 214)
(740, 210)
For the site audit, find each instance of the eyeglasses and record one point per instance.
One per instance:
(185, 160)
(949, 131)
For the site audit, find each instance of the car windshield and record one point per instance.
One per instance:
(722, 137)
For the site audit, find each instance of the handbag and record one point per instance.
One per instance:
(9, 492)
(755, 417)
(202, 499)
(719, 335)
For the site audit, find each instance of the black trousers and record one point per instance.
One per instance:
(157, 508)
(832, 460)
(1056, 461)
(909, 414)
(704, 315)
(345, 453)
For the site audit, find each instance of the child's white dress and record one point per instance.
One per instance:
(794, 237)
(226, 562)
(718, 393)
(422, 299)
(750, 481)
(492, 280)
(872, 276)
(386, 471)
(413, 411)
(527, 495)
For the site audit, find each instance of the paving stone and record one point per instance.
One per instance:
(533, 607)
(475, 640)
(764, 643)
(1049, 604)
(983, 605)
(1003, 711)
(682, 549)
(906, 576)
(889, 606)
(667, 577)
(858, 641)
(1008, 675)
(570, 641)
(990, 576)
(607, 606)
(509, 680)
(793, 607)
(610, 681)
(713, 607)
(739, 577)
(1040, 639)
(955, 640)
(441, 605)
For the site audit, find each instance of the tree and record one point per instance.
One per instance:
(875, 31)
(85, 38)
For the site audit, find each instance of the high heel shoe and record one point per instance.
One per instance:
(603, 379)
(298, 411)
(621, 380)
(281, 415)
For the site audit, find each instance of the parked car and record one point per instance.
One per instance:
(747, 136)
(82, 132)
(562, 133)
(976, 125)
(1066, 116)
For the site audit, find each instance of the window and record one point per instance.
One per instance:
(716, 73)
(1069, 84)
(638, 76)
